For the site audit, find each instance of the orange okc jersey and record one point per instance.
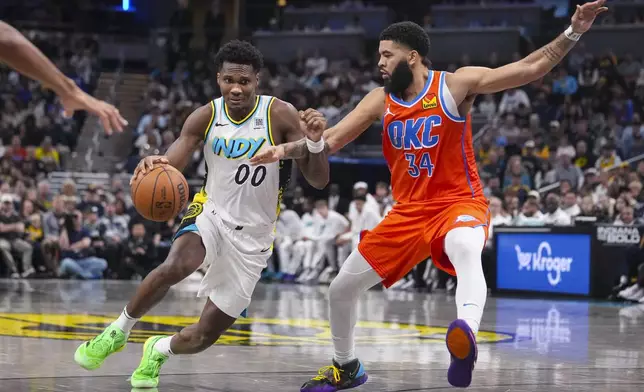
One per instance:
(434, 180)
(428, 147)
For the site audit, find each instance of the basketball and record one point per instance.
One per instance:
(160, 194)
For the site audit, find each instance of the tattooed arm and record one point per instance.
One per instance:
(299, 150)
(468, 81)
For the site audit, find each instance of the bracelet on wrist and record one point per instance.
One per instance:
(315, 147)
(571, 35)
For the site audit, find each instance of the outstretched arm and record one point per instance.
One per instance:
(469, 81)
(21, 55)
(355, 123)
(294, 127)
(369, 110)
(17, 52)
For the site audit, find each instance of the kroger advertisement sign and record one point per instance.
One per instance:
(555, 263)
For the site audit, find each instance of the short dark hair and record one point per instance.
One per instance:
(239, 52)
(409, 34)
(361, 197)
(627, 206)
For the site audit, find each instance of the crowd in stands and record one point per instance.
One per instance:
(557, 8)
(67, 234)
(580, 128)
(33, 133)
(92, 234)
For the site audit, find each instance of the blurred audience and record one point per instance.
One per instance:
(78, 255)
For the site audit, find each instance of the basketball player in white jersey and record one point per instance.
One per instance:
(17, 52)
(230, 224)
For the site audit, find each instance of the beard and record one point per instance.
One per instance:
(400, 79)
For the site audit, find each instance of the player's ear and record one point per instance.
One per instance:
(218, 76)
(413, 57)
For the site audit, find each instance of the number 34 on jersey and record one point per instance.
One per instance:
(413, 135)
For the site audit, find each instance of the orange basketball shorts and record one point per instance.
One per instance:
(412, 232)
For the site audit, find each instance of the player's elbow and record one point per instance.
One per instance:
(320, 182)
(534, 71)
(319, 179)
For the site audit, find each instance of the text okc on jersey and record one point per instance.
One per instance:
(542, 260)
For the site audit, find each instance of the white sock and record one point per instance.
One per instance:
(464, 245)
(472, 315)
(355, 277)
(163, 346)
(125, 322)
(342, 358)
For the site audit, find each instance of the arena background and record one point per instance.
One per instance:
(561, 158)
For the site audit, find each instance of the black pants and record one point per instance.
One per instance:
(489, 268)
(419, 273)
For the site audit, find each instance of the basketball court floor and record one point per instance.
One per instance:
(527, 344)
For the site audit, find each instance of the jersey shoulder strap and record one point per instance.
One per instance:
(213, 117)
(268, 101)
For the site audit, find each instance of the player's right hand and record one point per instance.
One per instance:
(585, 15)
(146, 164)
(267, 155)
(312, 124)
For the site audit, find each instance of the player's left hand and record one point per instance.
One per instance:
(268, 155)
(585, 15)
(109, 115)
(312, 124)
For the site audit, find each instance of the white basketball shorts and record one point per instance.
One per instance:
(235, 258)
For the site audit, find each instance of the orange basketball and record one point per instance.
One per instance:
(160, 194)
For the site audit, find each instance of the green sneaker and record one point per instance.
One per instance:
(147, 374)
(90, 355)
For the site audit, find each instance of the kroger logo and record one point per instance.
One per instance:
(542, 260)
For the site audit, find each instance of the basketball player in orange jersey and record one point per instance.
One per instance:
(441, 211)
(21, 55)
